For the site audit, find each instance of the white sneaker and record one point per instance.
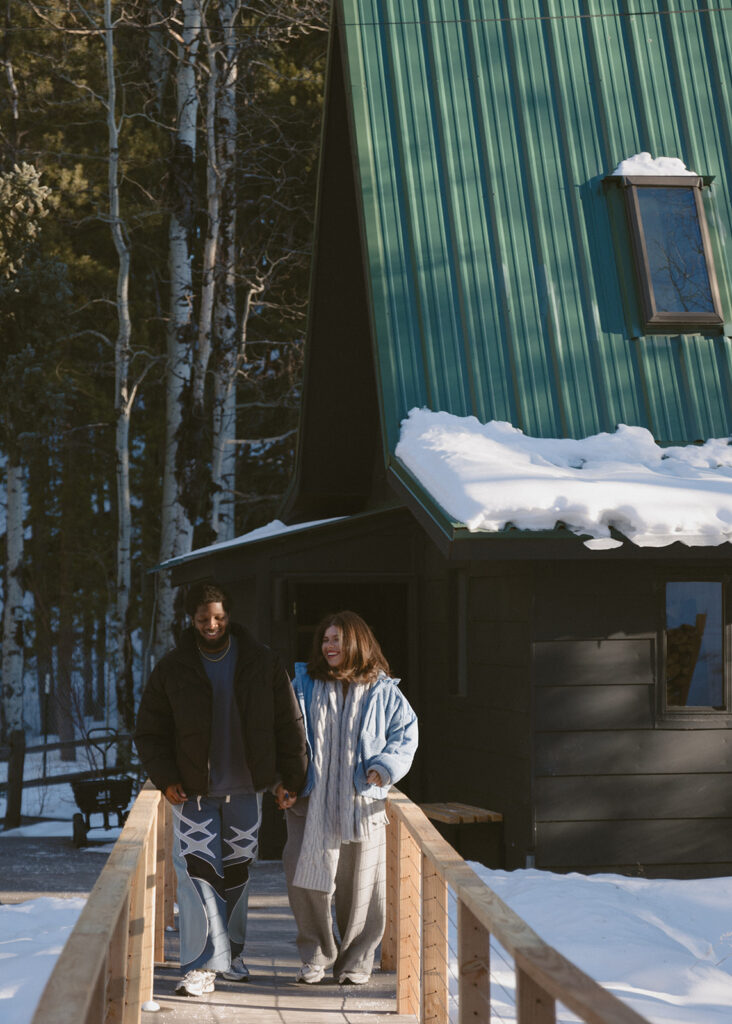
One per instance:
(196, 983)
(311, 974)
(353, 978)
(238, 970)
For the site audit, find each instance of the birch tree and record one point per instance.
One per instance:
(176, 526)
(23, 203)
(227, 349)
(124, 397)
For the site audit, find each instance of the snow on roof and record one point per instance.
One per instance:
(271, 529)
(643, 163)
(491, 475)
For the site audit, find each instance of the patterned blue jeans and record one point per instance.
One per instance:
(215, 842)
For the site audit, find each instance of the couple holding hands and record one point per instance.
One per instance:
(219, 722)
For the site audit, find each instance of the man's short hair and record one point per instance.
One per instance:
(206, 593)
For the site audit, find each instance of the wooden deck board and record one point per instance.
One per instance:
(272, 996)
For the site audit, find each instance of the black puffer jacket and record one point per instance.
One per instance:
(173, 732)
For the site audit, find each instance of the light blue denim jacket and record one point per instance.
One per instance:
(388, 739)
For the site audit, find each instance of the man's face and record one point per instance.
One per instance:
(212, 624)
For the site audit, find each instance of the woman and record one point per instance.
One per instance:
(362, 736)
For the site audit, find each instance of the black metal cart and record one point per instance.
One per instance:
(109, 794)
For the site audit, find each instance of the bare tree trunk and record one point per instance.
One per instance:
(64, 705)
(11, 706)
(158, 54)
(87, 663)
(227, 356)
(176, 531)
(124, 396)
(13, 612)
(100, 670)
(208, 272)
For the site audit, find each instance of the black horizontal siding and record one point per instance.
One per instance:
(588, 844)
(635, 752)
(613, 706)
(633, 797)
(614, 787)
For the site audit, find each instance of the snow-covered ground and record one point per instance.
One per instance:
(662, 946)
(32, 933)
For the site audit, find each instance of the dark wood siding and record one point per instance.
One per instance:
(614, 788)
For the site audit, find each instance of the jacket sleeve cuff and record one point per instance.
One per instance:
(384, 774)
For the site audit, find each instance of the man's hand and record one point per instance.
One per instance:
(373, 777)
(284, 797)
(174, 794)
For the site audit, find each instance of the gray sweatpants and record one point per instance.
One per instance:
(359, 898)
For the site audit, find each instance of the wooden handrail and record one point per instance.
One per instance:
(420, 867)
(104, 973)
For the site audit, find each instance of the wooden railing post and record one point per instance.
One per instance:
(534, 1005)
(140, 957)
(117, 966)
(389, 941)
(408, 904)
(147, 967)
(474, 958)
(133, 1001)
(435, 976)
(163, 873)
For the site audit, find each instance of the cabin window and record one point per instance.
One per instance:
(695, 656)
(674, 268)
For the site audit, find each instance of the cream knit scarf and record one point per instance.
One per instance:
(336, 813)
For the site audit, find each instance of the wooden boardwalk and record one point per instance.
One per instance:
(272, 996)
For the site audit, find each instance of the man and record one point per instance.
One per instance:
(218, 723)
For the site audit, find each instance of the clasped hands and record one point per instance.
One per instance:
(176, 795)
(286, 799)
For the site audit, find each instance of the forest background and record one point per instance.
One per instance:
(158, 164)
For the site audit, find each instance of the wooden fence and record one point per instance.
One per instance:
(15, 754)
(104, 973)
(421, 865)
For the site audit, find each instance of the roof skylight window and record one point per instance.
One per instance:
(673, 259)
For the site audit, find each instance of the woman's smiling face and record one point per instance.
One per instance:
(332, 646)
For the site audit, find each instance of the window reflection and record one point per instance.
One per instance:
(694, 645)
(675, 250)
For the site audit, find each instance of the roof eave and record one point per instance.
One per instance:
(459, 544)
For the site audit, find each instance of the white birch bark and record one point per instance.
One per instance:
(13, 612)
(227, 340)
(123, 397)
(176, 529)
(208, 270)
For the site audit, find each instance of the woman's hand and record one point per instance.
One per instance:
(284, 797)
(373, 777)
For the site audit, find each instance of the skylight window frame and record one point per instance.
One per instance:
(656, 321)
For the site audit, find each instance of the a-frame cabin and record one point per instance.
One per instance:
(471, 257)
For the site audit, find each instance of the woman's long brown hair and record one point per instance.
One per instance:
(363, 658)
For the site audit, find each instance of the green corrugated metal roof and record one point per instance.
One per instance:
(482, 132)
